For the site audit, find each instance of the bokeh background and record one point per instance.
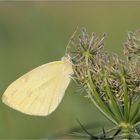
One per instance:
(34, 33)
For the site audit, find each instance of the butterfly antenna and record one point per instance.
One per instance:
(70, 40)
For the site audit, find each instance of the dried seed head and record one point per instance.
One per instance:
(132, 45)
(85, 45)
(106, 70)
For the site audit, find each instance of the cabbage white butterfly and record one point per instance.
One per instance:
(39, 91)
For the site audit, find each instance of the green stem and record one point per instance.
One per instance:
(99, 103)
(94, 96)
(126, 100)
(113, 103)
(127, 130)
(134, 111)
(136, 118)
(109, 130)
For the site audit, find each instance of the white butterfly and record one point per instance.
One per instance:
(40, 91)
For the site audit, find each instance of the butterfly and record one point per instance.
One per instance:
(40, 91)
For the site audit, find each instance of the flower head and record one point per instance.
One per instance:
(112, 83)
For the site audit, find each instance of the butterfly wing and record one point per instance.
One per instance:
(39, 91)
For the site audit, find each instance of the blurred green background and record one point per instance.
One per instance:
(34, 33)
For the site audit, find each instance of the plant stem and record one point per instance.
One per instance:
(112, 102)
(99, 103)
(93, 94)
(134, 112)
(126, 100)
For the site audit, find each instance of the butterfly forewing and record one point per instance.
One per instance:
(39, 91)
